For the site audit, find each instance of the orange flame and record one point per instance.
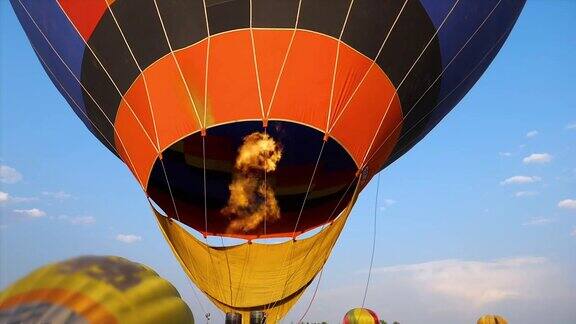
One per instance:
(251, 199)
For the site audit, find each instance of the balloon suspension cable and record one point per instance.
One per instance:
(439, 104)
(170, 190)
(313, 297)
(438, 78)
(228, 267)
(328, 220)
(206, 220)
(310, 183)
(265, 184)
(204, 185)
(240, 283)
(373, 240)
(199, 302)
(291, 251)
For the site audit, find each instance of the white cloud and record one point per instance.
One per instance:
(521, 194)
(128, 238)
(472, 281)
(34, 212)
(82, 220)
(22, 199)
(505, 154)
(571, 126)
(532, 134)
(567, 204)
(7, 198)
(78, 220)
(537, 158)
(520, 179)
(573, 233)
(524, 289)
(58, 195)
(536, 221)
(9, 175)
(387, 203)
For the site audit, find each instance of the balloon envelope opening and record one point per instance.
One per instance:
(331, 188)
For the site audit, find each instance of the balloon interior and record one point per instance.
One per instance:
(261, 119)
(93, 289)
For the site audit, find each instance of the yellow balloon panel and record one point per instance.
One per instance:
(253, 276)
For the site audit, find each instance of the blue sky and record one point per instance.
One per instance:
(454, 238)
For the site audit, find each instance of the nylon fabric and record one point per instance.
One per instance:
(93, 289)
(262, 276)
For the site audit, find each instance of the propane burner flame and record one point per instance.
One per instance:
(252, 200)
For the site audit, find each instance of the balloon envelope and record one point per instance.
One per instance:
(492, 319)
(93, 289)
(360, 316)
(344, 88)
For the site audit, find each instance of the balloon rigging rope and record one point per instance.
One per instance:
(445, 68)
(87, 92)
(280, 73)
(220, 284)
(122, 97)
(246, 258)
(291, 251)
(313, 296)
(144, 80)
(443, 99)
(69, 96)
(371, 65)
(324, 142)
(306, 256)
(265, 192)
(155, 128)
(397, 88)
(204, 185)
(113, 147)
(373, 240)
(117, 23)
(309, 187)
(170, 189)
(182, 77)
(310, 249)
(55, 77)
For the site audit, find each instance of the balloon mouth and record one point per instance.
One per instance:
(313, 180)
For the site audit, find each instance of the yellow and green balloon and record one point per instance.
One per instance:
(360, 316)
(492, 319)
(93, 289)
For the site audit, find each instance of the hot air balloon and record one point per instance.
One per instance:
(360, 316)
(259, 119)
(93, 289)
(491, 319)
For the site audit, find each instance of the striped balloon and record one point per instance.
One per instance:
(360, 316)
(491, 319)
(90, 290)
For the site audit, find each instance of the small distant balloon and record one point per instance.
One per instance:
(93, 289)
(492, 319)
(360, 316)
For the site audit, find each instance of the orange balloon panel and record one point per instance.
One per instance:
(361, 93)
